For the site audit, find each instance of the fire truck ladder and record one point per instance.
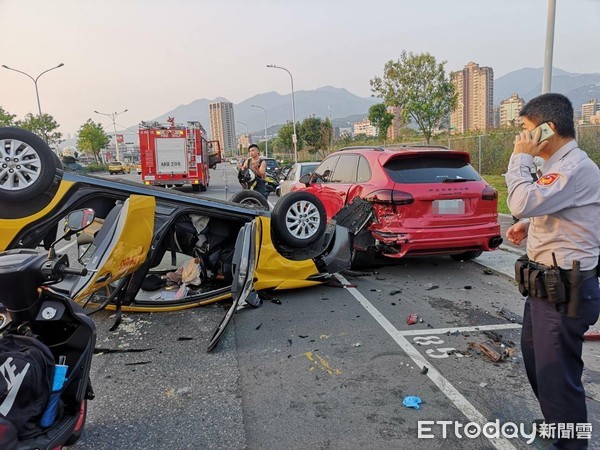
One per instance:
(191, 149)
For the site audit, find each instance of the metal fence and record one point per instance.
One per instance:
(490, 153)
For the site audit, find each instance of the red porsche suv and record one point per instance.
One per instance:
(401, 201)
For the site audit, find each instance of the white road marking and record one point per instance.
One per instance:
(507, 326)
(434, 375)
(60, 250)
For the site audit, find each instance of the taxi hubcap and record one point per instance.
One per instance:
(302, 219)
(20, 165)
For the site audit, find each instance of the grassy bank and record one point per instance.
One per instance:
(500, 185)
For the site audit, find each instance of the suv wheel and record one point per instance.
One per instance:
(299, 219)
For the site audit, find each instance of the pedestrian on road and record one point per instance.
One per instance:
(563, 208)
(257, 165)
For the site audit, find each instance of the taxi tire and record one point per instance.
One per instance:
(251, 198)
(48, 164)
(280, 223)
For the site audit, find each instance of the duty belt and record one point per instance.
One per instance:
(557, 285)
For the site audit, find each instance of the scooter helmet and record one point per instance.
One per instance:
(246, 176)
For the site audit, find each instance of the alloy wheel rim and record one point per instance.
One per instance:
(20, 165)
(302, 219)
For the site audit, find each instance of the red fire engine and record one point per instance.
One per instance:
(176, 154)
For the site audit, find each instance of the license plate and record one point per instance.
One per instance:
(150, 177)
(456, 206)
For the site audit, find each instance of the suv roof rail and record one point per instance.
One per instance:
(363, 147)
(393, 146)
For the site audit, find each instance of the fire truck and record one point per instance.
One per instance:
(176, 154)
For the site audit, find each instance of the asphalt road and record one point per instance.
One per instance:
(326, 367)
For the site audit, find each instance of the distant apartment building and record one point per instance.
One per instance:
(364, 127)
(589, 109)
(393, 130)
(475, 108)
(222, 125)
(244, 141)
(510, 109)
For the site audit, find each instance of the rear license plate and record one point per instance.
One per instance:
(456, 206)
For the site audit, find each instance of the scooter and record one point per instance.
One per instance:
(34, 308)
(247, 180)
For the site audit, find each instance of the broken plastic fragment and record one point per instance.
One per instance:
(411, 319)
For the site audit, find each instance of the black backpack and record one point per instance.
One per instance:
(26, 372)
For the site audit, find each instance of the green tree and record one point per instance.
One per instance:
(285, 137)
(326, 130)
(6, 119)
(310, 133)
(381, 118)
(419, 85)
(44, 126)
(92, 139)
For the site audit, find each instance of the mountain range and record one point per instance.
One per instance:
(346, 108)
(578, 87)
(323, 102)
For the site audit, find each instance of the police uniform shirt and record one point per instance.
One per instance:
(563, 204)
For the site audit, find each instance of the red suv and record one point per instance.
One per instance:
(407, 201)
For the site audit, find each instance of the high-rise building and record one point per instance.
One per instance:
(591, 108)
(510, 110)
(364, 127)
(222, 125)
(394, 129)
(475, 108)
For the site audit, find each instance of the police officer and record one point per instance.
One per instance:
(563, 208)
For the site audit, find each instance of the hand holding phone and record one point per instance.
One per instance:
(546, 132)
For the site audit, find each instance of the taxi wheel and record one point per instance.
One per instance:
(299, 219)
(251, 198)
(27, 165)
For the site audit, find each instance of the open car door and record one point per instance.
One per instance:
(214, 153)
(120, 247)
(243, 265)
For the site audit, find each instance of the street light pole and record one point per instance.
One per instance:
(294, 137)
(35, 80)
(113, 116)
(266, 138)
(547, 78)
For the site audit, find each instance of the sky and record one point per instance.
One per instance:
(150, 56)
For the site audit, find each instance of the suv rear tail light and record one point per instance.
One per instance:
(489, 193)
(390, 196)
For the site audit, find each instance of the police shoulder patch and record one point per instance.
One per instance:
(548, 179)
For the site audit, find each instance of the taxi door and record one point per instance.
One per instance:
(243, 265)
(120, 247)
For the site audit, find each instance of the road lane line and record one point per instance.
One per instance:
(434, 375)
(507, 326)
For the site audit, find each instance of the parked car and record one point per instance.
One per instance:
(274, 250)
(423, 201)
(293, 176)
(118, 167)
(272, 166)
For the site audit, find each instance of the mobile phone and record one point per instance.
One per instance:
(546, 132)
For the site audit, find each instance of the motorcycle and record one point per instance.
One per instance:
(34, 308)
(247, 179)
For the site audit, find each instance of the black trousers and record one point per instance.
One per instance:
(551, 344)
